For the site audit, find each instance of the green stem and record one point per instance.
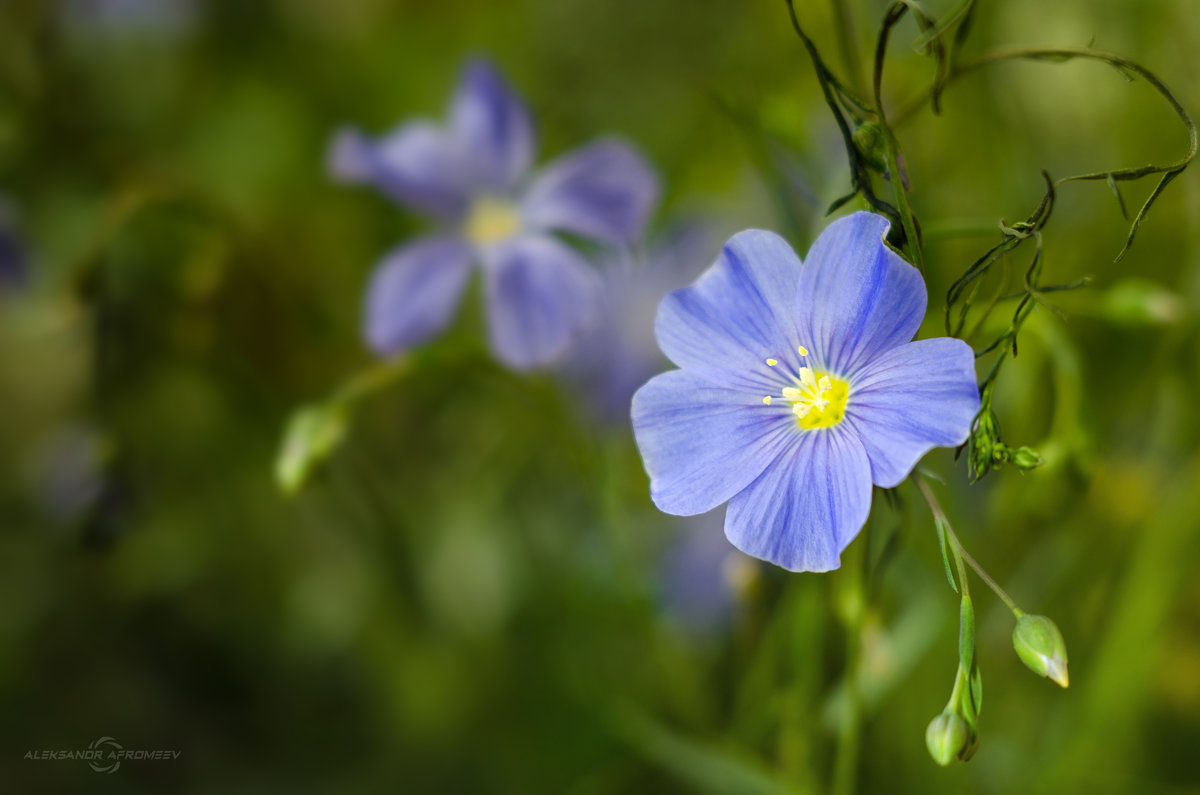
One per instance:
(956, 692)
(845, 764)
(960, 551)
(1168, 171)
(371, 380)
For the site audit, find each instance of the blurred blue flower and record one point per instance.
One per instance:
(114, 17)
(472, 175)
(69, 470)
(799, 388)
(14, 263)
(618, 353)
(703, 577)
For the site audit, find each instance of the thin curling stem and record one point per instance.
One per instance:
(911, 234)
(959, 550)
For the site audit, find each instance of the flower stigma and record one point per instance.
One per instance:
(491, 219)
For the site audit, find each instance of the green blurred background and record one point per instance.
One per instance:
(476, 595)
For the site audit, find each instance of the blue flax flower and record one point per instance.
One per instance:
(472, 176)
(618, 354)
(798, 388)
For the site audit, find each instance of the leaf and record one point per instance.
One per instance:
(1137, 221)
(1112, 185)
(942, 25)
(941, 531)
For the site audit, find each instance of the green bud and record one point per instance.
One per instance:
(1138, 302)
(871, 144)
(988, 423)
(312, 433)
(1026, 458)
(947, 737)
(1040, 646)
(982, 445)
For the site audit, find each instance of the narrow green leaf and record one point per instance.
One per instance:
(1116, 190)
(941, 533)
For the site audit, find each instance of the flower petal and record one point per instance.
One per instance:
(415, 165)
(619, 353)
(857, 297)
(604, 191)
(702, 443)
(492, 128)
(806, 507)
(414, 293)
(910, 400)
(738, 313)
(540, 296)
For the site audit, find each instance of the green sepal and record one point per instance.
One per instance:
(941, 534)
(977, 689)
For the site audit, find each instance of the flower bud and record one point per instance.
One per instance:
(871, 143)
(1026, 458)
(946, 737)
(312, 433)
(1040, 646)
(1137, 302)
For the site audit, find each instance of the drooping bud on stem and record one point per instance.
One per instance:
(1040, 646)
(946, 737)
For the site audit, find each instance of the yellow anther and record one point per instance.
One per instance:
(772, 362)
(802, 351)
(767, 400)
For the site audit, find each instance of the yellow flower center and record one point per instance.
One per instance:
(491, 219)
(818, 399)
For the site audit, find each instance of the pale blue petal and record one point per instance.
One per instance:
(703, 443)
(604, 191)
(807, 506)
(911, 399)
(541, 295)
(416, 165)
(492, 129)
(857, 297)
(740, 312)
(619, 353)
(414, 293)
